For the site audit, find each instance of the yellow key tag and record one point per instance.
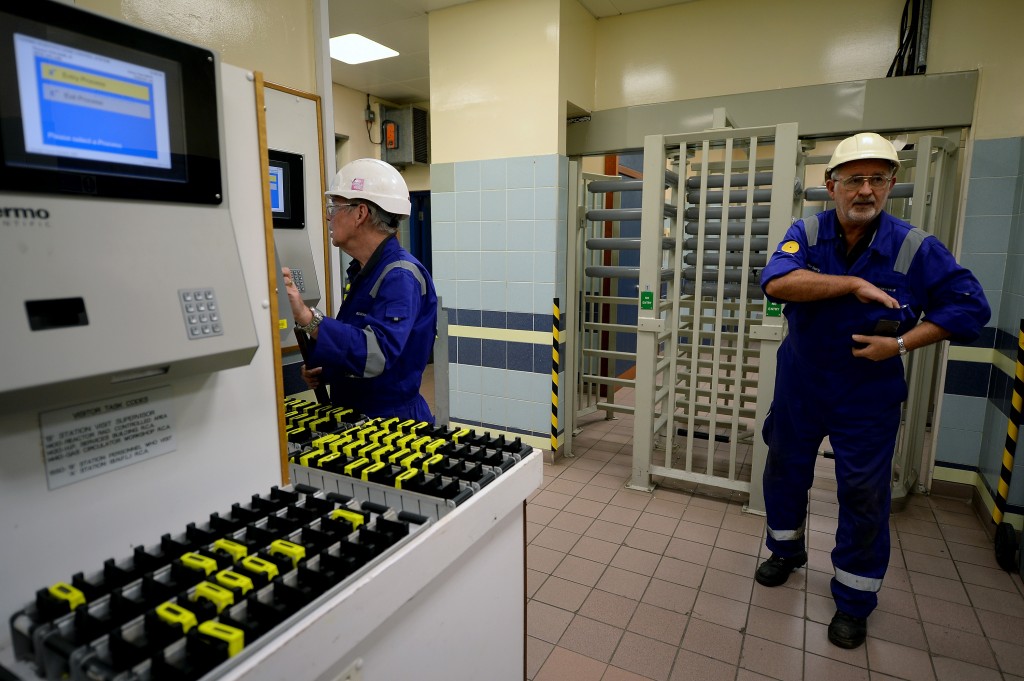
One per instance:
(66, 592)
(172, 613)
(234, 637)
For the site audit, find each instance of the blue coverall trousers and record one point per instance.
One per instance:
(862, 429)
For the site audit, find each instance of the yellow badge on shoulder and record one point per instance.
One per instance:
(790, 247)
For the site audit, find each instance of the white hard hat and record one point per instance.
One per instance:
(372, 180)
(862, 146)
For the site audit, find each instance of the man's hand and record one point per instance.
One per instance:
(311, 376)
(867, 292)
(300, 311)
(876, 348)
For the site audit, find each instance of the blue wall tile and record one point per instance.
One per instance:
(546, 171)
(468, 266)
(492, 174)
(492, 205)
(492, 236)
(442, 178)
(970, 379)
(467, 206)
(986, 234)
(519, 172)
(996, 158)
(520, 266)
(494, 382)
(470, 378)
(957, 446)
(468, 236)
(467, 176)
(494, 354)
(991, 196)
(442, 206)
(519, 235)
(492, 411)
(519, 204)
(469, 317)
(494, 265)
(470, 351)
(963, 412)
(520, 321)
(442, 236)
(493, 319)
(492, 295)
(520, 356)
(542, 359)
(545, 203)
(989, 268)
(519, 297)
(467, 294)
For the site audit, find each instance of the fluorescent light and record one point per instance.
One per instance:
(353, 48)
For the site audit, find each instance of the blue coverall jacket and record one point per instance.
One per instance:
(822, 390)
(374, 353)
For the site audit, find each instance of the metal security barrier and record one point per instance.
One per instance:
(705, 343)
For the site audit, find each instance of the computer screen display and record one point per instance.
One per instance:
(91, 106)
(286, 189)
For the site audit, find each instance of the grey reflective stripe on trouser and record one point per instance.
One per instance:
(856, 582)
(405, 265)
(786, 535)
(911, 245)
(374, 357)
(811, 229)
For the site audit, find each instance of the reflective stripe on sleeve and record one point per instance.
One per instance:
(374, 356)
(911, 245)
(811, 229)
(786, 535)
(401, 264)
(859, 583)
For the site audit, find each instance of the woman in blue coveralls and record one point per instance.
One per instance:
(374, 352)
(855, 281)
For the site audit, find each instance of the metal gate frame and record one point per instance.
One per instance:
(658, 327)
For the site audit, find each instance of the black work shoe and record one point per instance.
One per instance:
(847, 631)
(775, 571)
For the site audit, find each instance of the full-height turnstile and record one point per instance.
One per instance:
(705, 345)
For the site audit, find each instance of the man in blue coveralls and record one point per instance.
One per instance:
(855, 281)
(374, 353)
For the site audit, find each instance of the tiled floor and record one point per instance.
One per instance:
(626, 586)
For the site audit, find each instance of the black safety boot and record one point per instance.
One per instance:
(775, 571)
(847, 631)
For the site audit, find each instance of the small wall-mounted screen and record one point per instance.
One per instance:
(287, 201)
(90, 106)
(79, 104)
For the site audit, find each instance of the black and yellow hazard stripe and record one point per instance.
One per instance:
(556, 318)
(1012, 430)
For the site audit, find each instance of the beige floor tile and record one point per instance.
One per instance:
(772, 659)
(565, 665)
(537, 652)
(948, 614)
(930, 565)
(996, 600)
(947, 669)
(897, 602)
(680, 572)
(596, 550)
(744, 523)
(577, 474)
(670, 596)
(1009, 656)
(960, 645)
(592, 638)
(562, 593)
(534, 579)
(596, 493)
(609, 608)
(728, 584)
(703, 516)
(644, 656)
(713, 640)
(551, 500)
(557, 540)
(620, 515)
(720, 610)
(690, 666)
(603, 479)
(1002, 627)
(818, 667)
(691, 551)
(776, 626)
(584, 507)
(660, 524)
(546, 622)
(781, 599)
(636, 560)
(626, 498)
(661, 624)
(607, 531)
(623, 582)
(666, 507)
(946, 589)
(736, 563)
(613, 673)
(564, 486)
(571, 522)
(899, 661)
(738, 542)
(907, 525)
(646, 540)
(816, 642)
(701, 534)
(993, 578)
(580, 570)
(896, 629)
(540, 515)
(542, 559)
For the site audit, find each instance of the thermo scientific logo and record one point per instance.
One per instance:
(13, 216)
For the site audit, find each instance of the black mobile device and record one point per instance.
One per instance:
(886, 327)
